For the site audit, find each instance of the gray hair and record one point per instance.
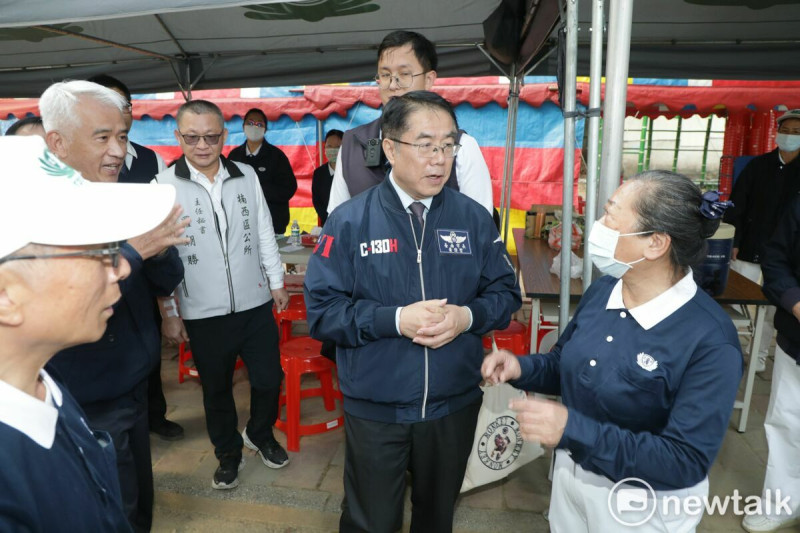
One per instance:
(200, 107)
(669, 203)
(58, 103)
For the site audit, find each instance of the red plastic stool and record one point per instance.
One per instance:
(300, 356)
(295, 311)
(184, 355)
(515, 338)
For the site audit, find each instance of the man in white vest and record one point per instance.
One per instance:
(233, 272)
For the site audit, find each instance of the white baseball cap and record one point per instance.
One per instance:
(44, 201)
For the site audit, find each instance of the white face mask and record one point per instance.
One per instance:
(788, 142)
(603, 244)
(332, 154)
(254, 133)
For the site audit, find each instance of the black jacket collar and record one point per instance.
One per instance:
(182, 168)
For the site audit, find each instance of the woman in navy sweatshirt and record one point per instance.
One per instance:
(647, 369)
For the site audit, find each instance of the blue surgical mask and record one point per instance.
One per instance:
(788, 142)
(603, 244)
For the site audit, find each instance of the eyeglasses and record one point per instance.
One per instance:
(254, 123)
(430, 150)
(110, 252)
(403, 81)
(210, 140)
(127, 108)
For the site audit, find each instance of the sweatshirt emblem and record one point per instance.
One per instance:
(453, 242)
(646, 361)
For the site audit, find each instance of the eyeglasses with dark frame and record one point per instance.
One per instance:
(403, 81)
(110, 252)
(191, 140)
(429, 150)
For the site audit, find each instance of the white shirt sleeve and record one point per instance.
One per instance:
(339, 191)
(267, 246)
(473, 174)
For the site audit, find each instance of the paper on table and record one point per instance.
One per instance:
(291, 248)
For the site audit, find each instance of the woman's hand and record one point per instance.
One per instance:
(500, 366)
(540, 420)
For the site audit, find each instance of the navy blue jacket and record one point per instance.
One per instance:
(73, 486)
(781, 269)
(365, 267)
(131, 346)
(663, 422)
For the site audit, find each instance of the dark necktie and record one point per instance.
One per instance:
(123, 173)
(418, 208)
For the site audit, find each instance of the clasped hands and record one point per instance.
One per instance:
(433, 323)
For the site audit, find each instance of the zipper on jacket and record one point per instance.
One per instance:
(422, 285)
(222, 245)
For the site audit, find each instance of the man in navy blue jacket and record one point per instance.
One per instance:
(60, 270)
(85, 129)
(405, 279)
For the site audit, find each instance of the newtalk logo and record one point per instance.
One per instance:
(632, 502)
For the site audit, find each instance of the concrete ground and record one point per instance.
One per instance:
(306, 495)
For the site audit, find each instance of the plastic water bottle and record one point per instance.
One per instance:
(295, 237)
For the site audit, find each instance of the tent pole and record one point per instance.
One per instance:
(568, 107)
(319, 141)
(508, 163)
(592, 163)
(617, 57)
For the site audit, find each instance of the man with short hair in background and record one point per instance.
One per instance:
(85, 129)
(233, 274)
(407, 61)
(323, 175)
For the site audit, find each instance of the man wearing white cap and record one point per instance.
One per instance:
(85, 129)
(762, 191)
(60, 264)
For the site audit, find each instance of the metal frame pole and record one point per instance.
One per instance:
(568, 106)
(592, 162)
(617, 57)
(511, 139)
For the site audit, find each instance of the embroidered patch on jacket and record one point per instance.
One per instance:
(453, 241)
(646, 361)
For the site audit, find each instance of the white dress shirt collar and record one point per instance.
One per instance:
(406, 199)
(35, 418)
(650, 313)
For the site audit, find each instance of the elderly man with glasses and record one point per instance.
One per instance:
(85, 129)
(407, 61)
(61, 279)
(233, 275)
(405, 280)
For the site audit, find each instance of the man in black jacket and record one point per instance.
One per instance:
(759, 196)
(323, 175)
(271, 165)
(781, 269)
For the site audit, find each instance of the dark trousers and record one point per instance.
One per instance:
(156, 402)
(125, 419)
(216, 342)
(377, 456)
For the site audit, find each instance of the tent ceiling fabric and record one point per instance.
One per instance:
(704, 39)
(317, 41)
(236, 44)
